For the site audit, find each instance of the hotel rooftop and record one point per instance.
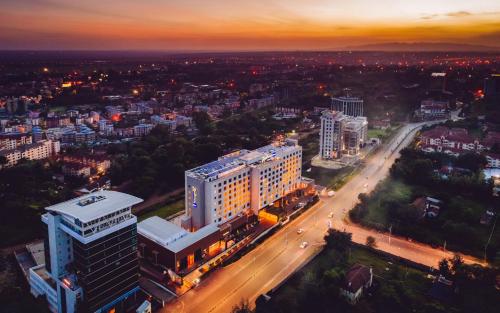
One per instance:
(240, 159)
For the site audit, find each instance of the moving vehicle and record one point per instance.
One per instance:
(300, 231)
(304, 244)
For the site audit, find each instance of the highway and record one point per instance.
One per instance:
(279, 256)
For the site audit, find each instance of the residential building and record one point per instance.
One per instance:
(142, 129)
(13, 140)
(432, 109)
(91, 260)
(493, 159)
(357, 280)
(261, 102)
(452, 141)
(183, 120)
(159, 120)
(350, 106)
(241, 182)
(78, 170)
(36, 151)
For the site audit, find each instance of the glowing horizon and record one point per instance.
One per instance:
(256, 25)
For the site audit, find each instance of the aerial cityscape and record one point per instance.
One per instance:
(249, 157)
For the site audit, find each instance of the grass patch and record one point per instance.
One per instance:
(457, 223)
(305, 289)
(331, 178)
(388, 190)
(310, 147)
(382, 134)
(165, 211)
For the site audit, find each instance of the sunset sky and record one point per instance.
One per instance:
(243, 25)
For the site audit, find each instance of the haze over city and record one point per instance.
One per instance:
(225, 25)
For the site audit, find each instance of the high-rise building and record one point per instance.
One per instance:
(492, 86)
(240, 182)
(355, 134)
(350, 106)
(341, 134)
(90, 254)
(331, 136)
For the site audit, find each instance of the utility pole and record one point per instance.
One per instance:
(390, 234)
(489, 238)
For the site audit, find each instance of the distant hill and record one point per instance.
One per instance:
(423, 46)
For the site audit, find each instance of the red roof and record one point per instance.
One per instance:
(358, 276)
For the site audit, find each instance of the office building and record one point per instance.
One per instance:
(341, 134)
(350, 106)
(243, 181)
(91, 260)
(437, 82)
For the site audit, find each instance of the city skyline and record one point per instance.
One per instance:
(228, 26)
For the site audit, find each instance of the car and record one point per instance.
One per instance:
(330, 215)
(304, 244)
(365, 185)
(301, 204)
(300, 231)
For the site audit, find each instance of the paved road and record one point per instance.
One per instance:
(279, 256)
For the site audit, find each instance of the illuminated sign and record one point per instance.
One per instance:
(194, 193)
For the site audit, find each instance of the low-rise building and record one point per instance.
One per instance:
(433, 109)
(78, 170)
(357, 280)
(453, 141)
(171, 247)
(141, 130)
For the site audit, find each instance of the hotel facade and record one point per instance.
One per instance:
(91, 262)
(241, 182)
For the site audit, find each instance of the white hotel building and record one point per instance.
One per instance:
(240, 182)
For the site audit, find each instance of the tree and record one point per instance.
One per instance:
(371, 242)
(203, 122)
(338, 240)
(444, 267)
(242, 307)
(471, 161)
(3, 160)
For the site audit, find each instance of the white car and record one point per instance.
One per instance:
(300, 231)
(304, 244)
(330, 215)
